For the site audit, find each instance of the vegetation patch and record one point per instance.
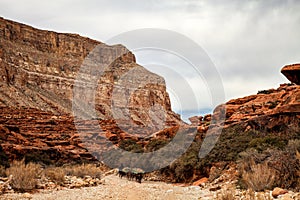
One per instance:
(24, 176)
(131, 145)
(83, 170)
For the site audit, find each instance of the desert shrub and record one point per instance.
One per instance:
(287, 166)
(264, 143)
(24, 176)
(258, 176)
(55, 174)
(156, 144)
(131, 145)
(279, 167)
(231, 142)
(183, 168)
(83, 170)
(293, 146)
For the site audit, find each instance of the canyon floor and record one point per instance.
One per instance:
(116, 188)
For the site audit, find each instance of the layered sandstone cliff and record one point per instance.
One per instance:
(38, 69)
(39, 72)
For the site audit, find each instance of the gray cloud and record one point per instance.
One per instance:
(249, 41)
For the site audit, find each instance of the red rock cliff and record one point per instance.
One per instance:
(38, 69)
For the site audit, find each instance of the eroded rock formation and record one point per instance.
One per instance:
(292, 72)
(269, 109)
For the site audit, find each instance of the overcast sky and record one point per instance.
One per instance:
(248, 41)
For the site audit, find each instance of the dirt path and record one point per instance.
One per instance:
(120, 189)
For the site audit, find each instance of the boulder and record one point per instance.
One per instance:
(278, 191)
(195, 120)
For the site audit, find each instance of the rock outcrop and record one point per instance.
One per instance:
(260, 109)
(292, 72)
(264, 121)
(284, 100)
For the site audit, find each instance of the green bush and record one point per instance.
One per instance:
(262, 144)
(131, 145)
(156, 144)
(184, 167)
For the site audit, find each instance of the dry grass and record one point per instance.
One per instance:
(83, 170)
(273, 167)
(24, 176)
(229, 194)
(257, 177)
(55, 174)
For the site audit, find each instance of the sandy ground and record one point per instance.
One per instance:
(119, 189)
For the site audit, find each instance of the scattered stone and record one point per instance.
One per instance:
(194, 188)
(278, 191)
(200, 181)
(215, 188)
(27, 195)
(285, 197)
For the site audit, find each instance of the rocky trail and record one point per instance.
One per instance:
(116, 188)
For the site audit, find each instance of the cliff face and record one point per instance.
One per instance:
(39, 67)
(38, 72)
